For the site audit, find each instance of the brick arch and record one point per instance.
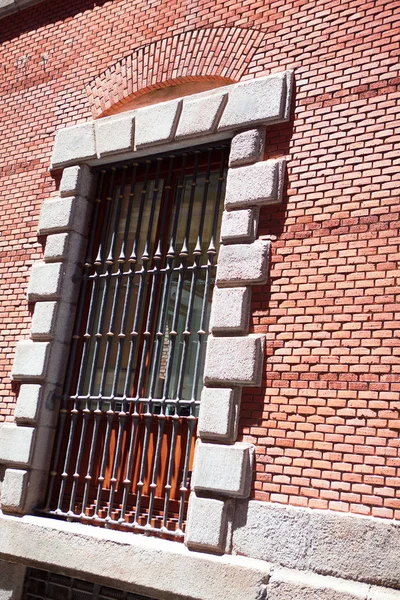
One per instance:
(221, 53)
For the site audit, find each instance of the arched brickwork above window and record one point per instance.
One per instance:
(217, 54)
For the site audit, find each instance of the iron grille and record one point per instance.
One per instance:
(43, 585)
(124, 445)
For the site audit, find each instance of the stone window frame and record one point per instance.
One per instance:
(239, 111)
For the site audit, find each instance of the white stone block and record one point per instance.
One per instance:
(74, 145)
(219, 411)
(200, 115)
(247, 147)
(16, 444)
(257, 101)
(64, 246)
(13, 490)
(224, 470)
(230, 310)
(380, 593)
(43, 320)
(301, 585)
(260, 184)
(114, 135)
(244, 264)
(239, 226)
(76, 180)
(53, 321)
(157, 124)
(234, 361)
(64, 214)
(45, 281)
(30, 361)
(28, 403)
(207, 524)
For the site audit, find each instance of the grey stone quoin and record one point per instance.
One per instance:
(222, 467)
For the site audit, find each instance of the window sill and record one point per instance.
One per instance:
(135, 563)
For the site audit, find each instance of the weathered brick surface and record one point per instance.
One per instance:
(326, 423)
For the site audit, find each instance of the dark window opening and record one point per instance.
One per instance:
(125, 441)
(43, 585)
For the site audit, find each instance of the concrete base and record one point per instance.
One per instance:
(364, 549)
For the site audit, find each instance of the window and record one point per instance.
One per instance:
(125, 439)
(43, 585)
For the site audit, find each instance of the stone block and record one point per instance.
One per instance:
(380, 593)
(157, 124)
(64, 214)
(260, 184)
(44, 320)
(31, 360)
(12, 576)
(200, 116)
(146, 565)
(74, 145)
(207, 524)
(45, 281)
(239, 226)
(247, 147)
(16, 444)
(76, 180)
(219, 411)
(65, 246)
(285, 584)
(256, 101)
(322, 541)
(224, 470)
(28, 403)
(244, 264)
(230, 310)
(114, 135)
(13, 490)
(234, 361)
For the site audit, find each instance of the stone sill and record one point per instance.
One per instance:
(7, 7)
(136, 563)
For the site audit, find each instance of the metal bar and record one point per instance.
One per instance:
(74, 342)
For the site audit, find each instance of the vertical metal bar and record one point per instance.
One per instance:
(191, 424)
(146, 345)
(168, 486)
(100, 259)
(133, 259)
(110, 264)
(128, 292)
(86, 412)
(172, 255)
(74, 343)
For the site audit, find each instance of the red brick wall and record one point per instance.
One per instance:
(326, 426)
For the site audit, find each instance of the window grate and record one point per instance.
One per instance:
(43, 585)
(128, 416)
